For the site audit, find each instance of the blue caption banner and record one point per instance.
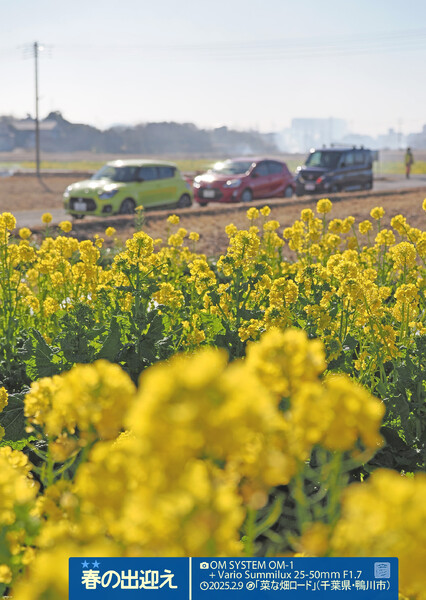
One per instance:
(252, 578)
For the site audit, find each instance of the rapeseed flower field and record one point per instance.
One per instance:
(158, 402)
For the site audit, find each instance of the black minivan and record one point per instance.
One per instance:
(334, 170)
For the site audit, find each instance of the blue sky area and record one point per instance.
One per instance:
(246, 64)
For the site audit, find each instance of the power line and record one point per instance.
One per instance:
(278, 49)
(259, 50)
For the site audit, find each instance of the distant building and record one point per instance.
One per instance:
(7, 138)
(304, 134)
(392, 140)
(358, 139)
(417, 140)
(24, 131)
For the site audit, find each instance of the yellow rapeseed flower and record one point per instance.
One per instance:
(66, 226)
(8, 221)
(365, 226)
(252, 213)
(173, 219)
(404, 255)
(3, 398)
(24, 233)
(377, 212)
(110, 231)
(231, 230)
(5, 574)
(324, 206)
(46, 218)
(385, 516)
(265, 211)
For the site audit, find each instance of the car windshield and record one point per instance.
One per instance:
(232, 167)
(323, 158)
(120, 174)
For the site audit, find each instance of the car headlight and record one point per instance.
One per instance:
(196, 184)
(68, 191)
(233, 183)
(106, 195)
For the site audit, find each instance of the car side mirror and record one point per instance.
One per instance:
(254, 174)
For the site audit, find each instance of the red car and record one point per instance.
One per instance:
(242, 180)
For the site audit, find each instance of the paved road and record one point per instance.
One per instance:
(398, 182)
(388, 183)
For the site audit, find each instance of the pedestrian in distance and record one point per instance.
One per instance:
(409, 160)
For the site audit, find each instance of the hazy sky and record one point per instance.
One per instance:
(245, 64)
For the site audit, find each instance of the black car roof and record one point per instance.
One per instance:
(337, 149)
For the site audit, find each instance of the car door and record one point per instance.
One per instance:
(347, 169)
(168, 184)
(277, 177)
(260, 180)
(148, 186)
(362, 172)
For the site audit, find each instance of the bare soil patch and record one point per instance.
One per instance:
(26, 192)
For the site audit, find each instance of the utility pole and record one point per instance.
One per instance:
(37, 126)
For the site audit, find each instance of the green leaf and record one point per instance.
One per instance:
(18, 444)
(12, 418)
(41, 360)
(112, 344)
(350, 343)
(212, 323)
(271, 518)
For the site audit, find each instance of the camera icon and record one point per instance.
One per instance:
(204, 565)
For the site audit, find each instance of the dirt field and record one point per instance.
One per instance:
(25, 192)
(20, 193)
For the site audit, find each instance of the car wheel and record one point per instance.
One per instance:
(247, 195)
(184, 201)
(288, 192)
(127, 207)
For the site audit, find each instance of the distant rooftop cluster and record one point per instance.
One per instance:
(59, 135)
(304, 134)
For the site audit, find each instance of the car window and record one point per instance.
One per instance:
(359, 157)
(148, 173)
(349, 159)
(232, 167)
(323, 158)
(274, 167)
(165, 172)
(368, 157)
(261, 169)
(120, 174)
